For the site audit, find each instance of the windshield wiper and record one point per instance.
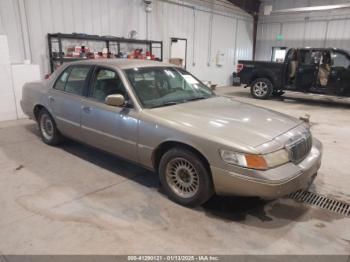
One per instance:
(170, 103)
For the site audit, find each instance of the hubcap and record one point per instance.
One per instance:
(46, 127)
(260, 89)
(182, 177)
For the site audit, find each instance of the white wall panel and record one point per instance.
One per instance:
(200, 52)
(22, 74)
(313, 29)
(7, 98)
(293, 34)
(119, 17)
(244, 48)
(169, 20)
(338, 34)
(223, 41)
(103, 17)
(10, 21)
(266, 39)
(2, 30)
(4, 51)
(315, 34)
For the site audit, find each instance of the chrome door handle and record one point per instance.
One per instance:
(86, 109)
(51, 98)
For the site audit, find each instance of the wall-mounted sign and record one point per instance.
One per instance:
(279, 37)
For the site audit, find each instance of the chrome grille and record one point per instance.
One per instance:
(300, 148)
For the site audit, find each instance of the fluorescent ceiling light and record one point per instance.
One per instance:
(311, 9)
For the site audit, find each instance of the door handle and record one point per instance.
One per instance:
(51, 99)
(86, 109)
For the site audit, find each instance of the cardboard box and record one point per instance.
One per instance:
(176, 61)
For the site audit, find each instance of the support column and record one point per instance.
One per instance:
(24, 29)
(255, 32)
(2, 31)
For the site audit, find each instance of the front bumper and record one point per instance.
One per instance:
(286, 179)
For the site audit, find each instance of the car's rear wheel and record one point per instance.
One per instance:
(184, 177)
(261, 88)
(48, 130)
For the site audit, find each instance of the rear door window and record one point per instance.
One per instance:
(76, 80)
(340, 60)
(73, 79)
(62, 80)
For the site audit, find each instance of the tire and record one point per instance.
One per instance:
(48, 130)
(185, 178)
(261, 88)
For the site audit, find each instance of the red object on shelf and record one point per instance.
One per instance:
(137, 51)
(239, 67)
(76, 54)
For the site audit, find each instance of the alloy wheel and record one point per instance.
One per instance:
(260, 89)
(182, 177)
(46, 127)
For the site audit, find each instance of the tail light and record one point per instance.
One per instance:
(239, 68)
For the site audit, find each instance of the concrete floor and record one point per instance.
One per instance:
(76, 200)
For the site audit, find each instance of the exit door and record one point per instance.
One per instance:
(178, 49)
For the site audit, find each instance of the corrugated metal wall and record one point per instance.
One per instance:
(186, 19)
(2, 31)
(314, 29)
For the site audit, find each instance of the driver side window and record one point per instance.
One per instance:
(106, 82)
(340, 60)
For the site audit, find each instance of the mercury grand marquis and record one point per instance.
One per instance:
(163, 118)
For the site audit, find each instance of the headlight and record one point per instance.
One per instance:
(262, 162)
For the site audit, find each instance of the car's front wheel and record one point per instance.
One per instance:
(185, 177)
(261, 88)
(48, 130)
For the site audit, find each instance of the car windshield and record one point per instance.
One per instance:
(165, 86)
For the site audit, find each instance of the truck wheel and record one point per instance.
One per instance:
(48, 130)
(261, 88)
(184, 177)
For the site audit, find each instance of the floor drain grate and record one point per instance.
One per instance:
(322, 202)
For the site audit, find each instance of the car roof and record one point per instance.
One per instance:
(323, 49)
(124, 63)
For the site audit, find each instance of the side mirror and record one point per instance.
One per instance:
(115, 100)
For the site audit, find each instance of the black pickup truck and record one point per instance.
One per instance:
(312, 70)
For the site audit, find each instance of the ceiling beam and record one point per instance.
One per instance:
(250, 6)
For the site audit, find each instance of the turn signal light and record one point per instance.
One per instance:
(256, 162)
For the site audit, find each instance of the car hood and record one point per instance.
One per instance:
(228, 119)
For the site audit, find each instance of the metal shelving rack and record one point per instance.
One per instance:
(108, 40)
